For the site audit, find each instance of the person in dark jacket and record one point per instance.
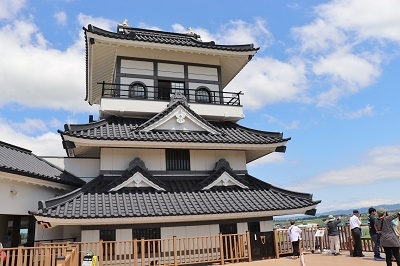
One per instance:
(374, 234)
(333, 234)
(389, 240)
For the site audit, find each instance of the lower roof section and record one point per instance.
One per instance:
(180, 200)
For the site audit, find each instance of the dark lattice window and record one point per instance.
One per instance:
(254, 227)
(177, 159)
(203, 95)
(147, 234)
(107, 235)
(137, 90)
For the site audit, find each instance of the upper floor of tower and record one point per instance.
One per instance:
(134, 72)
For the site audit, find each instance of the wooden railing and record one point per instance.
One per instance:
(311, 243)
(57, 255)
(167, 251)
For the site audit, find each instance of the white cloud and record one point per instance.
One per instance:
(380, 165)
(61, 18)
(234, 32)
(368, 110)
(45, 144)
(294, 124)
(38, 76)
(366, 18)
(274, 157)
(8, 8)
(266, 80)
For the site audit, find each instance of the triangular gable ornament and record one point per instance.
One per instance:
(180, 119)
(225, 180)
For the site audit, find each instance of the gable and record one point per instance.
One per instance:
(180, 119)
(225, 180)
(137, 180)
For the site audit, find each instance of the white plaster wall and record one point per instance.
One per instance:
(204, 73)
(80, 167)
(27, 197)
(206, 159)
(119, 159)
(189, 231)
(136, 67)
(123, 235)
(90, 235)
(72, 231)
(266, 226)
(171, 70)
(42, 233)
(242, 228)
(128, 81)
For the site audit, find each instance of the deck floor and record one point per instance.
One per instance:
(324, 259)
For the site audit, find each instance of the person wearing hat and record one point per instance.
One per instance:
(389, 240)
(374, 234)
(355, 227)
(333, 234)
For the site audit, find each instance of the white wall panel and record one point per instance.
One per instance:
(80, 167)
(266, 226)
(242, 228)
(25, 197)
(206, 159)
(170, 70)
(90, 235)
(136, 67)
(119, 159)
(204, 73)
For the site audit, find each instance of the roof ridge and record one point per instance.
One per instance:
(6, 144)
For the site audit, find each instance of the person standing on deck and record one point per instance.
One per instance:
(355, 227)
(373, 232)
(294, 233)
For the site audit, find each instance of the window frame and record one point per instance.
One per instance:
(132, 90)
(177, 159)
(199, 97)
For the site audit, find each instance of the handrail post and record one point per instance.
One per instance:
(248, 245)
(20, 256)
(135, 252)
(100, 258)
(175, 251)
(276, 239)
(142, 251)
(221, 248)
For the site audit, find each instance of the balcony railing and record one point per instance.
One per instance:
(203, 96)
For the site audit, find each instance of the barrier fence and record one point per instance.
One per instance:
(217, 249)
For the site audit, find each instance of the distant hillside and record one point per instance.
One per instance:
(388, 207)
(364, 210)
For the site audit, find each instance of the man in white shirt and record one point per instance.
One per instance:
(355, 227)
(294, 233)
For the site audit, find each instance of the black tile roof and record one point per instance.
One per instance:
(154, 36)
(129, 129)
(23, 162)
(180, 199)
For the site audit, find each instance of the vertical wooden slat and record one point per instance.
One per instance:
(221, 248)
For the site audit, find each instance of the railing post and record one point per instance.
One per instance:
(248, 245)
(175, 251)
(135, 252)
(276, 239)
(142, 251)
(19, 256)
(100, 256)
(102, 89)
(221, 248)
(47, 257)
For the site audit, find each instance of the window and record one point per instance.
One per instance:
(107, 235)
(203, 95)
(177, 159)
(168, 88)
(254, 227)
(147, 233)
(137, 90)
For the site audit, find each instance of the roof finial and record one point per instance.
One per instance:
(190, 32)
(125, 23)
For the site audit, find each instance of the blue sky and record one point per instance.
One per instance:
(326, 74)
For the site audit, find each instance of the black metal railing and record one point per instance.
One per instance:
(127, 91)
